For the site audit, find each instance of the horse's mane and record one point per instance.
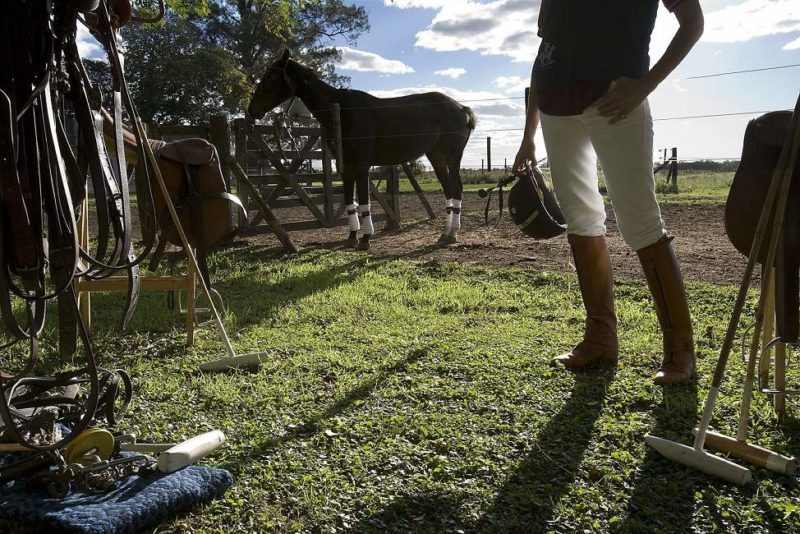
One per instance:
(306, 73)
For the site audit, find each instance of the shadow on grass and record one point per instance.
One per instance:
(261, 298)
(527, 502)
(364, 389)
(426, 512)
(663, 496)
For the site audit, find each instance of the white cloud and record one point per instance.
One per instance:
(88, 47)
(483, 103)
(423, 4)
(512, 84)
(507, 27)
(453, 72)
(359, 60)
(793, 45)
(498, 27)
(750, 19)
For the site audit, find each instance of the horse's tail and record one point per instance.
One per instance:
(471, 119)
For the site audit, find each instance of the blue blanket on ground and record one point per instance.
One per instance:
(135, 504)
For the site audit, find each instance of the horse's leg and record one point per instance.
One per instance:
(456, 191)
(453, 206)
(362, 188)
(351, 206)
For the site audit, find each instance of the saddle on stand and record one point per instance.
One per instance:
(763, 140)
(207, 211)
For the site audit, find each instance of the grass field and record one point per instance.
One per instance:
(417, 397)
(693, 188)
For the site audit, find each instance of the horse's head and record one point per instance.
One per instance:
(273, 89)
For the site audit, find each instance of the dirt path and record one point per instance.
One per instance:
(701, 243)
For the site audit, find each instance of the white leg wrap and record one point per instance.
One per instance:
(449, 215)
(366, 220)
(455, 217)
(352, 217)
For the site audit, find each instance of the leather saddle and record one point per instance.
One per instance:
(207, 211)
(763, 141)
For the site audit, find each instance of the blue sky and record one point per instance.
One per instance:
(413, 44)
(481, 52)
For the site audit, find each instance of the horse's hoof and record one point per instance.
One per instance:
(447, 239)
(352, 242)
(364, 243)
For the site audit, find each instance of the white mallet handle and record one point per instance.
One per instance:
(190, 451)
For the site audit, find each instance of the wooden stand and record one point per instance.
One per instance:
(778, 391)
(84, 288)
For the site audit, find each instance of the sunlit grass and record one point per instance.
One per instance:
(405, 396)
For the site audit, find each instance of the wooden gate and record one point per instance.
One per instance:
(298, 166)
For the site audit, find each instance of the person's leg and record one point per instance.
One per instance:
(574, 172)
(625, 151)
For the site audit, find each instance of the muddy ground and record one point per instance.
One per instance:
(701, 243)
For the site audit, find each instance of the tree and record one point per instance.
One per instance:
(206, 56)
(248, 27)
(178, 77)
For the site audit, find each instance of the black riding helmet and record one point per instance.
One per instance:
(533, 206)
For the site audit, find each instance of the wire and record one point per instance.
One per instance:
(741, 71)
(713, 115)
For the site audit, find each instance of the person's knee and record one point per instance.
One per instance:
(585, 214)
(586, 224)
(642, 237)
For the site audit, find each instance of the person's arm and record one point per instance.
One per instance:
(542, 15)
(527, 149)
(627, 94)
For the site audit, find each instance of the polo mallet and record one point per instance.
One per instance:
(777, 195)
(171, 458)
(233, 360)
(738, 447)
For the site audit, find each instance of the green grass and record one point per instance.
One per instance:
(417, 397)
(693, 188)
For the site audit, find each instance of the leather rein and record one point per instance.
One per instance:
(43, 186)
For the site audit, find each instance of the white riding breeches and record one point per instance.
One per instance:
(625, 150)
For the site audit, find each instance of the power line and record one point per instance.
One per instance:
(712, 115)
(742, 71)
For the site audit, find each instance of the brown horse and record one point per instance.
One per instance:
(377, 131)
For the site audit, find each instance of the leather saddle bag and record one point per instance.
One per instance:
(207, 211)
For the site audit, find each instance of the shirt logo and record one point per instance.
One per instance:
(546, 55)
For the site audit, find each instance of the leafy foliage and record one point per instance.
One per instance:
(177, 76)
(205, 56)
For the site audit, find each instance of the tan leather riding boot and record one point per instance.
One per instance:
(663, 274)
(599, 344)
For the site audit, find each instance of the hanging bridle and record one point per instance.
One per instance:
(42, 192)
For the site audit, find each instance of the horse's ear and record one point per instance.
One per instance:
(286, 56)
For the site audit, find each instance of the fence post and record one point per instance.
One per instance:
(489, 155)
(675, 168)
(327, 178)
(219, 135)
(240, 148)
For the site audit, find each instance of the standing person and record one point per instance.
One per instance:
(589, 88)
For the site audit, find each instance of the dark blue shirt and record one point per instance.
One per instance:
(588, 43)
